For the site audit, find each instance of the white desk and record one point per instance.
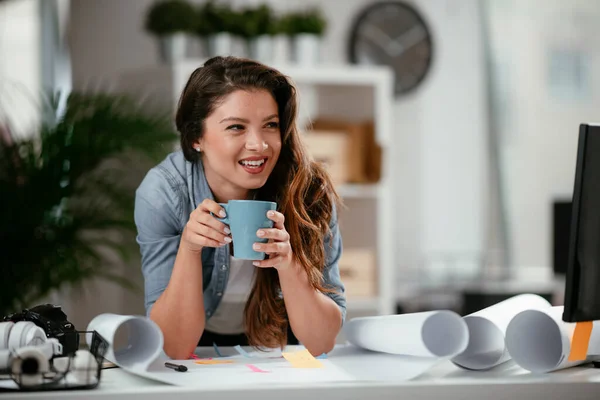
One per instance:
(443, 381)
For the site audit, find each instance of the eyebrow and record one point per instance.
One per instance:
(245, 120)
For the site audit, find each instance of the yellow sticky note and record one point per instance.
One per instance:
(580, 341)
(212, 362)
(302, 359)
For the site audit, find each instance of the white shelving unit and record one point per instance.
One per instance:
(166, 82)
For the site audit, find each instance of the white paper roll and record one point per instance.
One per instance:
(487, 329)
(540, 341)
(435, 334)
(143, 345)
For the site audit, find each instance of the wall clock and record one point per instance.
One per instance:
(394, 34)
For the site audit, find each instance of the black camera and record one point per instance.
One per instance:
(54, 322)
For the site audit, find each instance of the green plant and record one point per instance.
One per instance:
(258, 21)
(310, 21)
(68, 194)
(214, 18)
(167, 17)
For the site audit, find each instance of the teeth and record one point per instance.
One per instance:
(257, 163)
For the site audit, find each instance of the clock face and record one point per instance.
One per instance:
(393, 34)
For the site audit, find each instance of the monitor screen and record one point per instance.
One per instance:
(561, 233)
(582, 291)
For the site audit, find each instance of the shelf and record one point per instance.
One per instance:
(324, 74)
(359, 191)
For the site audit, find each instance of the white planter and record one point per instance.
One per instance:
(306, 49)
(172, 48)
(261, 48)
(281, 49)
(220, 44)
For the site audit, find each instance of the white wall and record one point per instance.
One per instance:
(20, 75)
(539, 126)
(440, 128)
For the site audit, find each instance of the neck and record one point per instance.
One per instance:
(222, 190)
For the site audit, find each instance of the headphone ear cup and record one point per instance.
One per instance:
(5, 329)
(26, 333)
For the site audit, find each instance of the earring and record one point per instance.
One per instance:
(197, 149)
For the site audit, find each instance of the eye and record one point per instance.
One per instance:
(272, 125)
(236, 127)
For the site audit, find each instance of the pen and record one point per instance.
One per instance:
(176, 367)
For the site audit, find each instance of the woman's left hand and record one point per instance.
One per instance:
(278, 247)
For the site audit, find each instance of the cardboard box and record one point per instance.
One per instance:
(363, 150)
(332, 149)
(358, 273)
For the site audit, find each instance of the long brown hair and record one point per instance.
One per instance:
(301, 188)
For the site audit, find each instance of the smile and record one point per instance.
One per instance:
(254, 165)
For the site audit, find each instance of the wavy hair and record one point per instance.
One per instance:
(301, 187)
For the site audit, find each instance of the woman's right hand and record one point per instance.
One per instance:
(203, 229)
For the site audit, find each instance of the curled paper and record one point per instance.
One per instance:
(435, 334)
(142, 344)
(487, 330)
(540, 341)
(400, 347)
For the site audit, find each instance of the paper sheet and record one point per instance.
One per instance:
(487, 330)
(540, 341)
(432, 334)
(141, 354)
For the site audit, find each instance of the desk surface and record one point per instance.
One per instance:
(443, 381)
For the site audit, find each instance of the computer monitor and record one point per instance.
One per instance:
(582, 290)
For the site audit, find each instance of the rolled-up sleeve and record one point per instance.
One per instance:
(331, 272)
(156, 216)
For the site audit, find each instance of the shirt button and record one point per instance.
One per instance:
(223, 267)
(219, 294)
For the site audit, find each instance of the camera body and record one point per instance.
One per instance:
(54, 322)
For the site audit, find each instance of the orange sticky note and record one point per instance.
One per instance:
(213, 362)
(580, 341)
(302, 359)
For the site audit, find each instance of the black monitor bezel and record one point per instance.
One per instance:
(573, 311)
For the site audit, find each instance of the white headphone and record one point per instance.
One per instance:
(26, 354)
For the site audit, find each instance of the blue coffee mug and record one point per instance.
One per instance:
(245, 218)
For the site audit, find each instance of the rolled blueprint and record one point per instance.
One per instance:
(487, 330)
(133, 342)
(431, 334)
(540, 341)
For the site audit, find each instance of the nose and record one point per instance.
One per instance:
(255, 142)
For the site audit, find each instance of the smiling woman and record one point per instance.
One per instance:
(237, 120)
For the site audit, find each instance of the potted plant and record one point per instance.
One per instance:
(305, 30)
(68, 194)
(258, 28)
(171, 21)
(218, 25)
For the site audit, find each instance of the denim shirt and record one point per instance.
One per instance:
(164, 201)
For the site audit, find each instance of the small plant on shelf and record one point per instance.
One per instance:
(168, 17)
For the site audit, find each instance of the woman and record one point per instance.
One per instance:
(237, 120)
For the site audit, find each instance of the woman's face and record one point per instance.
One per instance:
(241, 143)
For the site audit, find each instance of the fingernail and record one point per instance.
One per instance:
(256, 263)
(227, 239)
(260, 233)
(222, 213)
(270, 213)
(256, 246)
(227, 230)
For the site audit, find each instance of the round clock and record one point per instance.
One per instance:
(394, 34)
